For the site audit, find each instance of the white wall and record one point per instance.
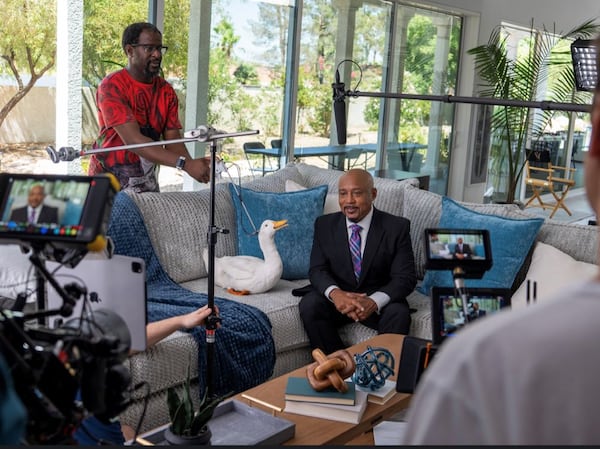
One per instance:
(33, 119)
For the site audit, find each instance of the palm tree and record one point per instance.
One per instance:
(544, 66)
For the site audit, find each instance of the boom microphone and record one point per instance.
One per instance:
(339, 108)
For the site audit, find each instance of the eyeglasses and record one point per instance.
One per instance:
(149, 49)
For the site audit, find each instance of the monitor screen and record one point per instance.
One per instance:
(447, 315)
(54, 208)
(469, 249)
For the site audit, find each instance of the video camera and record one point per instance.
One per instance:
(65, 374)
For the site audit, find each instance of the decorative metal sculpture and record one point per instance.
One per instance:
(373, 367)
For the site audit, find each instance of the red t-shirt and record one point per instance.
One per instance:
(122, 99)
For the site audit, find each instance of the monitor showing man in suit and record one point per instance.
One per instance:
(462, 250)
(35, 211)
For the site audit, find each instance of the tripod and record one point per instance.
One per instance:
(199, 134)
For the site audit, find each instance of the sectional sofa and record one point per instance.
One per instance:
(177, 224)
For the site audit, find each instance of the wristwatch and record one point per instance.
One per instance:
(180, 163)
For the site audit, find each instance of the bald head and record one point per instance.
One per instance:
(356, 193)
(36, 195)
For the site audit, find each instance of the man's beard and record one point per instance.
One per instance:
(151, 73)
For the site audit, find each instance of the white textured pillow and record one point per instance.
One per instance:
(552, 270)
(331, 200)
(15, 272)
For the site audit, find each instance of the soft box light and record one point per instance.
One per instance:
(583, 53)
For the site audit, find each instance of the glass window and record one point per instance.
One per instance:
(379, 47)
(539, 68)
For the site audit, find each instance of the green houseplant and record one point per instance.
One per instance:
(190, 426)
(542, 70)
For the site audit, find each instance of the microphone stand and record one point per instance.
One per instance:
(200, 134)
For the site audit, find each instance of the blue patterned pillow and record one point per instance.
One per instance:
(511, 240)
(294, 242)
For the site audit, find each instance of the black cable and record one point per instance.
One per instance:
(144, 409)
(357, 65)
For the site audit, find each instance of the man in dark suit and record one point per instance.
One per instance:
(35, 211)
(376, 294)
(462, 250)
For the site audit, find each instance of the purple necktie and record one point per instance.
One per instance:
(355, 249)
(32, 216)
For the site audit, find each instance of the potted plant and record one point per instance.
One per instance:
(189, 426)
(542, 67)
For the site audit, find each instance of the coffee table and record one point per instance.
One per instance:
(317, 431)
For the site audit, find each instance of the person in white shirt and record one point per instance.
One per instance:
(520, 377)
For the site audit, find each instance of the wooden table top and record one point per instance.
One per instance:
(318, 431)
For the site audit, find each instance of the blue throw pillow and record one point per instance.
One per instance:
(511, 240)
(294, 242)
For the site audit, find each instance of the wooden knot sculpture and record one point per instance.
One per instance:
(330, 371)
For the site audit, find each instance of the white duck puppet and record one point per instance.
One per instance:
(244, 275)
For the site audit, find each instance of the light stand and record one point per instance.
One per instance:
(200, 134)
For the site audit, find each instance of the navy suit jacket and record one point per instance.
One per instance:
(48, 214)
(466, 250)
(388, 263)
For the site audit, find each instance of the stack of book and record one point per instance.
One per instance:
(301, 398)
(383, 394)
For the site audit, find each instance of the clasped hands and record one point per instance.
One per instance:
(356, 306)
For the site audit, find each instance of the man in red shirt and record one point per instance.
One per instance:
(137, 105)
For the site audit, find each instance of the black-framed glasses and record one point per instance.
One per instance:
(149, 49)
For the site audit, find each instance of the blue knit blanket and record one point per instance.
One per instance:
(244, 348)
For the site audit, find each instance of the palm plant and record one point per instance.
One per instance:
(544, 69)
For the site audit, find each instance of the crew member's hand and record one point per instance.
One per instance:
(199, 169)
(198, 317)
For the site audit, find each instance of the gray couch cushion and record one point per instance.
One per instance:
(275, 182)
(280, 306)
(177, 224)
(578, 241)
(390, 193)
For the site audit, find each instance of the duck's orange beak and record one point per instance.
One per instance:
(277, 225)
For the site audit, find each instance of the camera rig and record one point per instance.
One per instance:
(66, 374)
(470, 265)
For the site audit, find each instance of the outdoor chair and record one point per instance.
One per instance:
(542, 176)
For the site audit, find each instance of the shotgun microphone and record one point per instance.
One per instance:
(339, 108)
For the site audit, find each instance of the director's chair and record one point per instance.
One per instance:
(542, 175)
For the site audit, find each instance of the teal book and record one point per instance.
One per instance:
(299, 389)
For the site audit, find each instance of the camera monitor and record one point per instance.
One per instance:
(469, 249)
(447, 315)
(70, 210)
